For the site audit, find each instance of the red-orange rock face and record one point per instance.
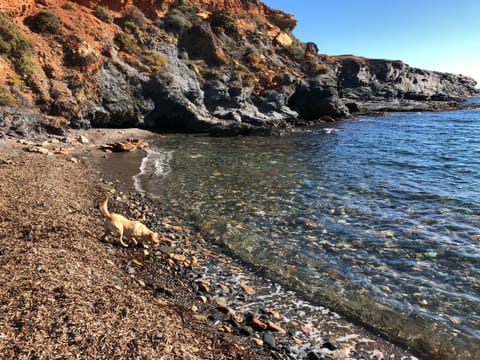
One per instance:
(155, 8)
(17, 7)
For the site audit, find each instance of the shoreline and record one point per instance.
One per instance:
(223, 260)
(175, 275)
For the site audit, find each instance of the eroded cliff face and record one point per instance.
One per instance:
(370, 81)
(227, 67)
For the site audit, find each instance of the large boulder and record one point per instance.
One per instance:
(24, 122)
(318, 97)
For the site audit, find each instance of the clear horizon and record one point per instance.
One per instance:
(428, 34)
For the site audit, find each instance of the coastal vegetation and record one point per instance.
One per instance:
(103, 13)
(45, 22)
(15, 46)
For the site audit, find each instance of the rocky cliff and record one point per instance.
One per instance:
(225, 67)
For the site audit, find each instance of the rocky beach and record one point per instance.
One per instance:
(67, 291)
(80, 79)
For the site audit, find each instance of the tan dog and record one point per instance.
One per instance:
(120, 225)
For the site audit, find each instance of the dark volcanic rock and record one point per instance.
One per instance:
(28, 123)
(317, 97)
(177, 96)
(385, 85)
(121, 102)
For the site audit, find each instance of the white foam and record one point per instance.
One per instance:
(156, 163)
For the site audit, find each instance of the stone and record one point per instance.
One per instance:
(258, 324)
(247, 330)
(275, 327)
(216, 316)
(283, 39)
(179, 258)
(257, 341)
(38, 150)
(330, 346)
(83, 140)
(126, 146)
(203, 286)
(247, 289)
(269, 340)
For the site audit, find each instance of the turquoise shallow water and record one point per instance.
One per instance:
(377, 217)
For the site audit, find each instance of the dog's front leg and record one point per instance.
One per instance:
(121, 238)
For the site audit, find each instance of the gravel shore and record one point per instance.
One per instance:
(66, 292)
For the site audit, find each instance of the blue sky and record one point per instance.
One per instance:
(441, 35)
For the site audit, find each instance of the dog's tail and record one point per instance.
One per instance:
(104, 208)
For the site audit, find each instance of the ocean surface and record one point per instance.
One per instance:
(375, 217)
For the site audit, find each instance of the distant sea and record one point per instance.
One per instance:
(376, 217)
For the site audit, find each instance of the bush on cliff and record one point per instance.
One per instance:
(134, 15)
(69, 6)
(15, 46)
(125, 42)
(103, 13)
(295, 51)
(181, 18)
(45, 22)
(6, 97)
(177, 22)
(225, 20)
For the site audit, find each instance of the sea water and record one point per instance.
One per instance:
(376, 217)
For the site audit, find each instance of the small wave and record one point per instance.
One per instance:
(156, 162)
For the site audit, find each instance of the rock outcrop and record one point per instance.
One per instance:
(376, 84)
(226, 67)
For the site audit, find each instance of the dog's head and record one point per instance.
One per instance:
(154, 238)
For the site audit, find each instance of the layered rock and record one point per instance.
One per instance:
(379, 84)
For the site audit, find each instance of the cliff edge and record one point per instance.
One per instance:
(227, 67)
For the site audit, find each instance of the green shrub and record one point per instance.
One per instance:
(210, 73)
(68, 6)
(313, 66)
(182, 17)
(130, 27)
(125, 42)
(295, 51)
(15, 46)
(248, 79)
(6, 97)
(189, 11)
(177, 21)
(45, 22)
(134, 15)
(224, 19)
(255, 61)
(103, 13)
(154, 61)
